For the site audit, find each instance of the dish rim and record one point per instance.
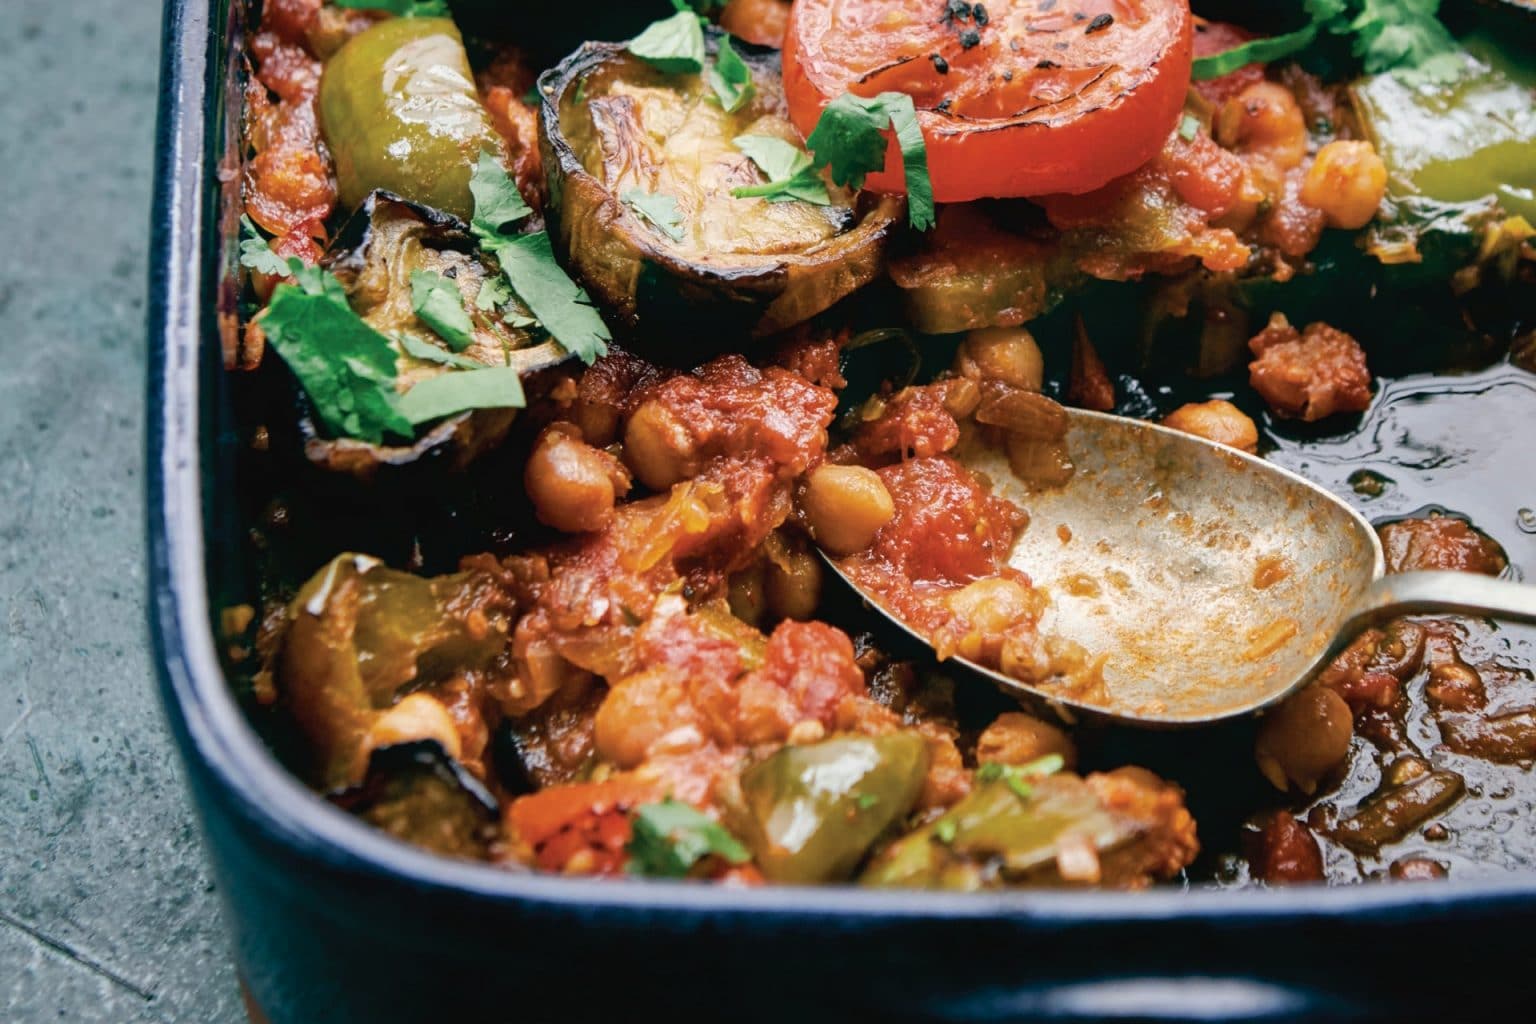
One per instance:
(214, 734)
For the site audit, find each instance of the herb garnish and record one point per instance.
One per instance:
(1014, 775)
(430, 353)
(491, 387)
(1402, 36)
(849, 139)
(945, 830)
(346, 367)
(790, 173)
(730, 78)
(493, 294)
(256, 253)
(401, 8)
(528, 263)
(669, 838)
(674, 45)
(659, 209)
(438, 304)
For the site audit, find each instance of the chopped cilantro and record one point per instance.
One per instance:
(660, 210)
(498, 203)
(790, 173)
(560, 304)
(1014, 775)
(669, 838)
(1401, 36)
(490, 387)
(944, 831)
(318, 282)
(849, 138)
(438, 304)
(730, 78)
(402, 8)
(528, 262)
(867, 800)
(493, 292)
(256, 254)
(346, 367)
(430, 353)
(674, 45)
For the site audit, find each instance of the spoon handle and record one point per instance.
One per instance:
(1462, 593)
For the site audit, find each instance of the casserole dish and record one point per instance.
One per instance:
(332, 921)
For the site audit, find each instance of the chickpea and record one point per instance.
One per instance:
(746, 595)
(1217, 421)
(416, 717)
(658, 446)
(1304, 739)
(1017, 738)
(792, 584)
(637, 714)
(1266, 120)
(992, 605)
(846, 506)
(1008, 354)
(1347, 182)
(572, 485)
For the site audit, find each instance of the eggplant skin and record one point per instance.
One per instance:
(654, 293)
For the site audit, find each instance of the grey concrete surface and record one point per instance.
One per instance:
(107, 912)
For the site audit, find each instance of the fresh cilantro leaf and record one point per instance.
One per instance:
(402, 8)
(438, 304)
(427, 352)
(669, 838)
(674, 45)
(730, 78)
(256, 253)
(789, 171)
(318, 282)
(490, 387)
(849, 139)
(498, 203)
(528, 262)
(493, 293)
(560, 304)
(660, 210)
(1402, 36)
(346, 367)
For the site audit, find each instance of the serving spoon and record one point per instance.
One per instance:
(1214, 583)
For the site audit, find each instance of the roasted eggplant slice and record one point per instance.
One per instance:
(373, 256)
(416, 792)
(612, 127)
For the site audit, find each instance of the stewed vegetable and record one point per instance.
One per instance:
(574, 375)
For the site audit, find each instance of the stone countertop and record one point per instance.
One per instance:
(107, 912)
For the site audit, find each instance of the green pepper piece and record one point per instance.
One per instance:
(358, 634)
(1000, 833)
(1471, 139)
(400, 112)
(812, 812)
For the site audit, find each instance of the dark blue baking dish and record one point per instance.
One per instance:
(333, 922)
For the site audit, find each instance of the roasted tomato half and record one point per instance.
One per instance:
(1014, 99)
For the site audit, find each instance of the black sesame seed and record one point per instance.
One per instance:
(1079, 16)
(1099, 24)
(1047, 65)
(943, 106)
(956, 10)
(980, 14)
(1008, 75)
(969, 38)
(939, 64)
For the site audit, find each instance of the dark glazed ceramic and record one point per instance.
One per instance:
(332, 922)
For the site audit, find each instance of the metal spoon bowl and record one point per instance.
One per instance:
(1214, 583)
